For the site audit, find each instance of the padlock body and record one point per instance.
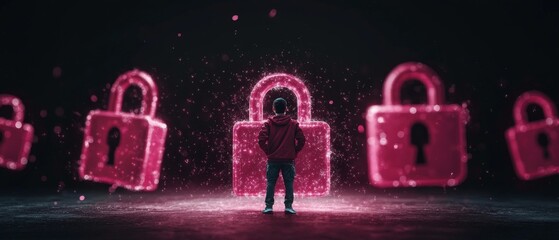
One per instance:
(530, 161)
(137, 158)
(393, 158)
(312, 164)
(17, 138)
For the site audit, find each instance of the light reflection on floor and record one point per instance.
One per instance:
(432, 215)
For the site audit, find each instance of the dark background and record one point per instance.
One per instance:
(60, 58)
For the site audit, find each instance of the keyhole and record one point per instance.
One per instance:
(543, 141)
(419, 138)
(113, 139)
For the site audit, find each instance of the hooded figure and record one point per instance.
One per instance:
(281, 139)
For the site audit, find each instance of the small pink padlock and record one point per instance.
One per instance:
(534, 146)
(16, 137)
(125, 149)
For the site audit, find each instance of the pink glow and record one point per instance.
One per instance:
(57, 129)
(137, 158)
(82, 197)
(235, 18)
(249, 162)
(360, 129)
(93, 98)
(17, 136)
(272, 13)
(527, 155)
(56, 72)
(392, 157)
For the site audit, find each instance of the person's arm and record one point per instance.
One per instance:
(263, 137)
(300, 138)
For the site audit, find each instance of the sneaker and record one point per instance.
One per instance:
(267, 210)
(290, 211)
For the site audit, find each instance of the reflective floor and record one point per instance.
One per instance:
(350, 215)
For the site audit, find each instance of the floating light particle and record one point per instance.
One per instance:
(383, 141)
(360, 129)
(273, 13)
(235, 18)
(57, 129)
(57, 72)
(59, 111)
(179, 34)
(451, 182)
(225, 57)
(93, 98)
(82, 197)
(331, 102)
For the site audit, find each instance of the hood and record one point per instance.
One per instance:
(280, 120)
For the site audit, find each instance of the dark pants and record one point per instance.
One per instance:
(272, 173)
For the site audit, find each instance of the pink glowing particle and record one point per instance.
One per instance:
(56, 72)
(273, 13)
(395, 159)
(57, 130)
(249, 161)
(17, 136)
(235, 18)
(179, 34)
(93, 98)
(225, 57)
(125, 149)
(331, 102)
(531, 160)
(360, 129)
(82, 197)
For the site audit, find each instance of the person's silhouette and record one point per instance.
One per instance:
(281, 139)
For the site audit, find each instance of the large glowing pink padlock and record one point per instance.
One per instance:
(416, 145)
(249, 161)
(125, 149)
(534, 146)
(16, 137)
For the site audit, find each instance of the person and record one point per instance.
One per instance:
(281, 139)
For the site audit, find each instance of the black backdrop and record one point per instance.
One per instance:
(61, 58)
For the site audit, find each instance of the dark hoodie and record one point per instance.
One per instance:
(281, 138)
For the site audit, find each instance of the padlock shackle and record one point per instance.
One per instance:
(413, 71)
(144, 82)
(17, 106)
(520, 110)
(256, 106)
